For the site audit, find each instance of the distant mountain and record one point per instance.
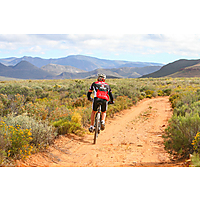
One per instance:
(85, 63)
(36, 61)
(172, 68)
(3, 68)
(56, 69)
(23, 70)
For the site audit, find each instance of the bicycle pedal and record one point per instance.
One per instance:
(91, 129)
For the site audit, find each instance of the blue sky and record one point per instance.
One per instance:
(162, 48)
(149, 31)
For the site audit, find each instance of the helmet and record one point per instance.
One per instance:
(101, 75)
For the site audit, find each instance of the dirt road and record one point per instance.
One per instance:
(132, 138)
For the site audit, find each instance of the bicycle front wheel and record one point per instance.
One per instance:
(97, 127)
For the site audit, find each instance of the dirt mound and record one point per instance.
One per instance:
(132, 138)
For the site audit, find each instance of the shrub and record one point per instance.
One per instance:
(85, 113)
(43, 134)
(195, 159)
(167, 91)
(60, 113)
(196, 143)
(3, 142)
(160, 93)
(180, 134)
(17, 141)
(65, 127)
(81, 102)
(121, 103)
(149, 93)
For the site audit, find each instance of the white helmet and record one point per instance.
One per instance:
(101, 75)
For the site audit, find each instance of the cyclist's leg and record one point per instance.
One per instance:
(92, 117)
(103, 112)
(104, 109)
(94, 110)
(103, 116)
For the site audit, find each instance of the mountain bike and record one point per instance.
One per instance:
(97, 121)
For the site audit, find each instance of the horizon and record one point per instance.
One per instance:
(78, 55)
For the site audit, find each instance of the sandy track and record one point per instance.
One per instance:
(132, 138)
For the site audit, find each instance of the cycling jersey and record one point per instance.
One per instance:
(101, 90)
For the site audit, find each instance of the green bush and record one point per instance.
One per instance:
(149, 93)
(180, 134)
(167, 91)
(65, 127)
(74, 125)
(195, 160)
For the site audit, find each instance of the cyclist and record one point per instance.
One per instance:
(102, 92)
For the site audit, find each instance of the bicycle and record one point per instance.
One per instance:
(97, 121)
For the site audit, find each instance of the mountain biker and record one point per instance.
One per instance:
(102, 92)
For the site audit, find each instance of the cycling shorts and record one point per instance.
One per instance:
(103, 102)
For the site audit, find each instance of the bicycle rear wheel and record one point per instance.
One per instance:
(97, 127)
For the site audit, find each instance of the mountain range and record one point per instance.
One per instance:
(86, 63)
(80, 67)
(73, 67)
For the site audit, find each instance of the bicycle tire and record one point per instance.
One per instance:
(97, 126)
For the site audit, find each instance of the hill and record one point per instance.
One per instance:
(192, 71)
(85, 63)
(3, 68)
(135, 72)
(23, 70)
(172, 68)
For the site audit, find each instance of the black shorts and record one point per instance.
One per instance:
(103, 102)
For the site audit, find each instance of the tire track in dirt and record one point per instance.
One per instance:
(132, 138)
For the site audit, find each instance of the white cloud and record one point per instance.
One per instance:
(187, 45)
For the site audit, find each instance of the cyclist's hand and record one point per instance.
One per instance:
(111, 102)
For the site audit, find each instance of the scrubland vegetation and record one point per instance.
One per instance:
(34, 113)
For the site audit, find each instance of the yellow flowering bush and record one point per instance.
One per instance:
(70, 124)
(18, 141)
(43, 133)
(76, 117)
(196, 143)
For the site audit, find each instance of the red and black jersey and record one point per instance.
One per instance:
(101, 90)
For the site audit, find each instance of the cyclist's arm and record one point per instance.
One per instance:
(88, 94)
(111, 95)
